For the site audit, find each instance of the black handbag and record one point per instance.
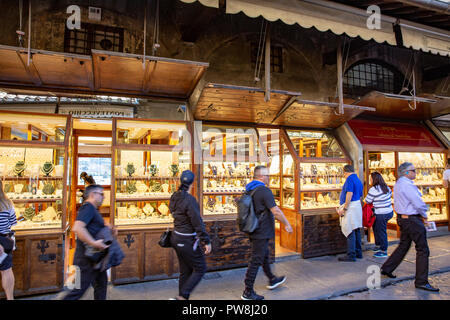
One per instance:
(164, 241)
(7, 243)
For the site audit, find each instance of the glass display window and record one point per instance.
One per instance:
(32, 127)
(288, 178)
(319, 200)
(429, 173)
(152, 133)
(34, 159)
(230, 155)
(383, 163)
(147, 165)
(429, 167)
(321, 176)
(270, 139)
(146, 177)
(313, 163)
(98, 167)
(315, 144)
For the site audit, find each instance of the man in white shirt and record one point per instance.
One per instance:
(411, 216)
(446, 177)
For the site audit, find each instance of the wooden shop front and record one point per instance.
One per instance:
(35, 162)
(386, 145)
(296, 141)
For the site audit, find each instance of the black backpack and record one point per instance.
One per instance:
(247, 219)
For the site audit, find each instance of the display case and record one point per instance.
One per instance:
(147, 162)
(320, 161)
(35, 160)
(148, 157)
(386, 145)
(429, 171)
(309, 181)
(230, 155)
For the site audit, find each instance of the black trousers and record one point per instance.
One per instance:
(259, 257)
(89, 276)
(191, 261)
(412, 229)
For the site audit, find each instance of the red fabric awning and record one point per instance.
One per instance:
(395, 136)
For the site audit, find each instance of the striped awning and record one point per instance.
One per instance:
(341, 19)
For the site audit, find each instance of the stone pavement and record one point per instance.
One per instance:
(315, 278)
(405, 290)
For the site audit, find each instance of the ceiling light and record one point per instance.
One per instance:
(105, 139)
(95, 121)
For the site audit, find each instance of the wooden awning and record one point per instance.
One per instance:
(103, 73)
(402, 106)
(220, 102)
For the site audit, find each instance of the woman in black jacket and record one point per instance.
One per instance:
(189, 231)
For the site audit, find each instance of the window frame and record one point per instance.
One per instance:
(387, 78)
(89, 30)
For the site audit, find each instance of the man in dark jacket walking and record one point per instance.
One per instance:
(266, 210)
(88, 223)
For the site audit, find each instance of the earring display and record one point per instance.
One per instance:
(321, 176)
(223, 182)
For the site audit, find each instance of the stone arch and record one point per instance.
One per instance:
(234, 52)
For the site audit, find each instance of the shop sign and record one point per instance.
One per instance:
(392, 133)
(97, 111)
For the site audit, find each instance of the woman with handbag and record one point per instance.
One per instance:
(7, 220)
(380, 195)
(189, 231)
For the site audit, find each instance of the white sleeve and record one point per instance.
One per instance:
(446, 175)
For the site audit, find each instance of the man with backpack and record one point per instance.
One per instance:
(266, 211)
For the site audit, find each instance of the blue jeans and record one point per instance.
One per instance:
(354, 244)
(379, 230)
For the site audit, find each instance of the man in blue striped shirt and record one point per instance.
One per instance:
(411, 216)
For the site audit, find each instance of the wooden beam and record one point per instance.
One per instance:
(285, 107)
(96, 71)
(150, 67)
(31, 69)
(390, 6)
(340, 78)
(267, 65)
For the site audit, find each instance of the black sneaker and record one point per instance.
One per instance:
(428, 287)
(252, 295)
(388, 274)
(346, 259)
(275, 282)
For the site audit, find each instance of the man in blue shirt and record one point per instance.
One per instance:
(350, 211)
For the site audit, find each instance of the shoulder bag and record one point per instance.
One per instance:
(164, 240)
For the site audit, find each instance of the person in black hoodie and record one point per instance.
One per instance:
(189, 231)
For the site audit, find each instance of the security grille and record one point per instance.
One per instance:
(362, 78)
(93, 36)
(276, 57)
